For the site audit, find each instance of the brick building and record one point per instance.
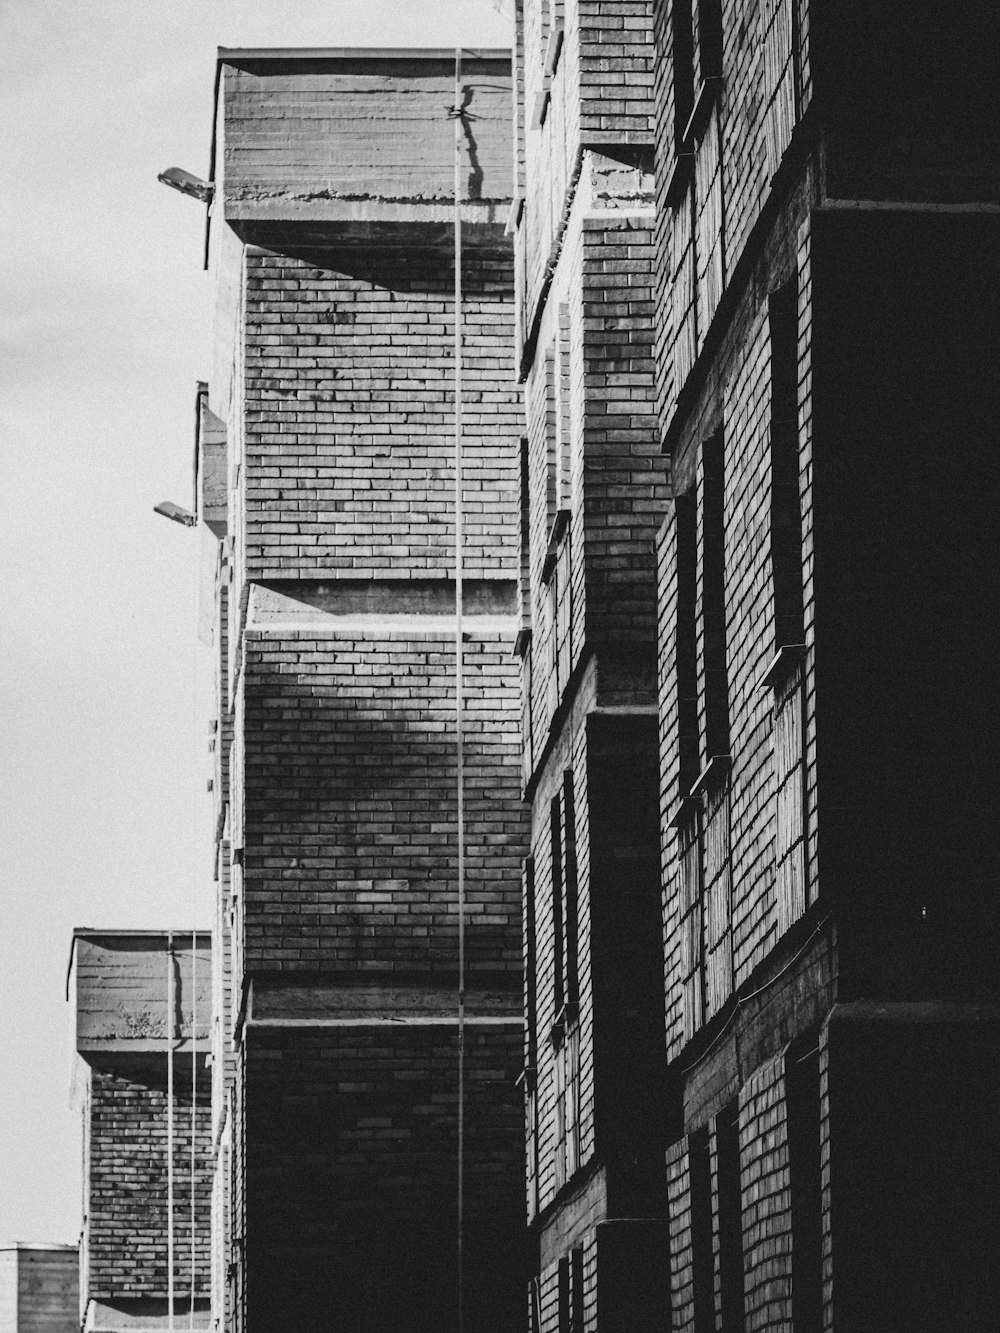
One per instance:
(826, 355)
(595, 489)
(738, 527)
(141, 1007)
(39, 1288)
(326, 473)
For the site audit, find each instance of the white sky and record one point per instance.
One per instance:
(104, 818)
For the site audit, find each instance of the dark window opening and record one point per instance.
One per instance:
(555, 833)
(682, 31)
(570, 886)
(702, 1263)
(576, 1290)
(530, 966)
(730, 1211)
(713, 614)
(687, 638)
(803, 1100)
(786, 513)
(709, 40)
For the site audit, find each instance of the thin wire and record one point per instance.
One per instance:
(459, 686)
(170, 1132)
(194, 1104)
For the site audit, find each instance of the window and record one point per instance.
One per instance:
(805, 1177)
(703, 820)
(686, 638)
(713, 666)
(558, 959)
(562, 423)
(557, 435)
(682, 34)
(786, 675)
(535, 1305)
(696, 31)
(571, 1292)
(786, 514)
(716, 890)
(702, 1263)
(779, 42)
(570, 885)
(790, 796)
(530, 1075)
(729, 1205)
(550, 29)
(556, 591)
(692, 972)
(551, 440)
(566, 1029)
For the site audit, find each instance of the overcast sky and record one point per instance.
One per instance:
(104, 819)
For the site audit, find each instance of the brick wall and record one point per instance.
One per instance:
(591, 574)
(127, 1184)
(767, 1212)
(348, 781)
(624, 471)
(587, 75)
(570, 755)
(367, 1117)
(349, 418)
(738, 399)
(714, 179)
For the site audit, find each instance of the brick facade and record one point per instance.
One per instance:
(745, 503)
(127, 1186)
(803, 624)
(337, 1128)
(142, 1019)
(595, 489)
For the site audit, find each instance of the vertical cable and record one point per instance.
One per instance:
(170, 1132)
(459, 686)
(194, 1105)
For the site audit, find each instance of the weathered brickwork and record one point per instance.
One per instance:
(616, 64)
(597, 480)
(127, 1186)
(337, 1128)
(596, 486)
(370, 1113)
(348, 464)
(585, 69)
(348, 782)
(623, 485)
(742, 408)
(767, 1212)
(569, 757)
(801, 418)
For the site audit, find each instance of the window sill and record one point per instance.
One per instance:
(566, 1017)
(559, 525)
(527, 1079)
(708, 96)
(715, 771)
(677, 182)
(552, 48)
(540, 108)
(781, 666)
(514, 216)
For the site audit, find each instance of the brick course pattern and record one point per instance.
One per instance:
(348, 417)
(127, 1186)
(368, 1117)
(348, 787)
